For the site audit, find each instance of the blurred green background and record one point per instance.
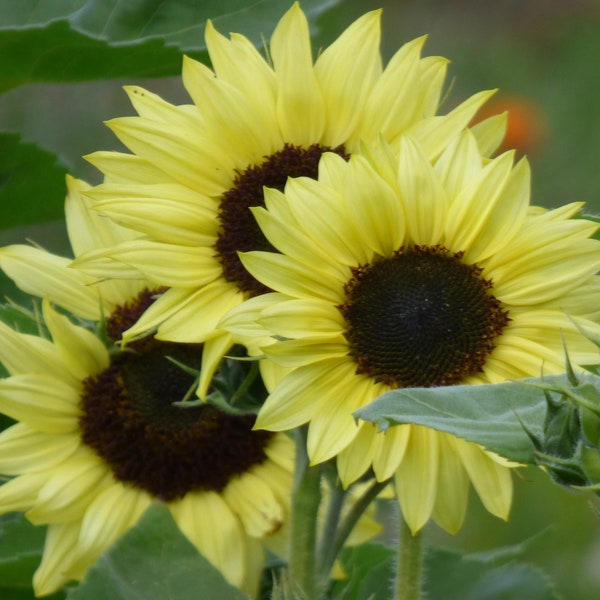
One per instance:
(542, 52)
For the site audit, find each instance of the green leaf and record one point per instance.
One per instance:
(181, 22)
(473, 577)
(32, 183)
(490, 415)
(493, 575)
(154, 561)
(370, 570)
(21, 545)
(79, 40)
(19, 593)
(57, 53)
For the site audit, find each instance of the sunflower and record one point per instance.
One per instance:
(98, 439)
(196, 169)
(396, 272)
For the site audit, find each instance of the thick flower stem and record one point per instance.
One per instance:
(410, 564)
(305, 506)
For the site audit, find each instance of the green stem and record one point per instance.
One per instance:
(358, 507)
(245, 385)
(410, 564)
(306, 499)
(328, 534)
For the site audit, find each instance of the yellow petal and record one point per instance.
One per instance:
(300, 105)
(195, 163)
(453, 487)
(347, 71)
(238, 62)
(70, 489)
(186, 218)
(354, 460)
(459, 164)
(294, 278)
(434, 133)
(82, 352)
(24, 449)
(111, 513)
(19, 494)
(490, 132)
(417, 476)
(242, 319)
(208, 522)
(87, 230)
(491, 480)
(425, 200)
(167, 264)
(381, 224)
(292, 354)
(192, 316)
(243, 134)
(292, 403)
(335, 426)
(152, 107)
(391, 452)
(43, 402)
(41, 274)
(60, 550)
(24, 354)
(302, 318)
(119, 167)
(254, 503)
(491, 210)
(213, 352)
(391, 107)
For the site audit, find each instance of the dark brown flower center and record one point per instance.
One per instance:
(421, 318)
(239, 232)
(129, 419)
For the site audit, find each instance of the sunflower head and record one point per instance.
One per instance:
(399, 271)
(100, 435)
(420, 318)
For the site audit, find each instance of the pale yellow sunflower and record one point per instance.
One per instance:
(402, 273)
(98, 439)
(195, 169)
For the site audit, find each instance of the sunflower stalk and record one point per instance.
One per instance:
(306, 499)
(345, 527)
(328, 533)
(410, 564)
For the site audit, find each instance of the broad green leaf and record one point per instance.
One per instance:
(496, 557)
(490, 415)
(473, 577)
(493, 575)
(154, 561)
(21, 545)
(21, 593)
(32, 183)
(79, 40)
(181, 22)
